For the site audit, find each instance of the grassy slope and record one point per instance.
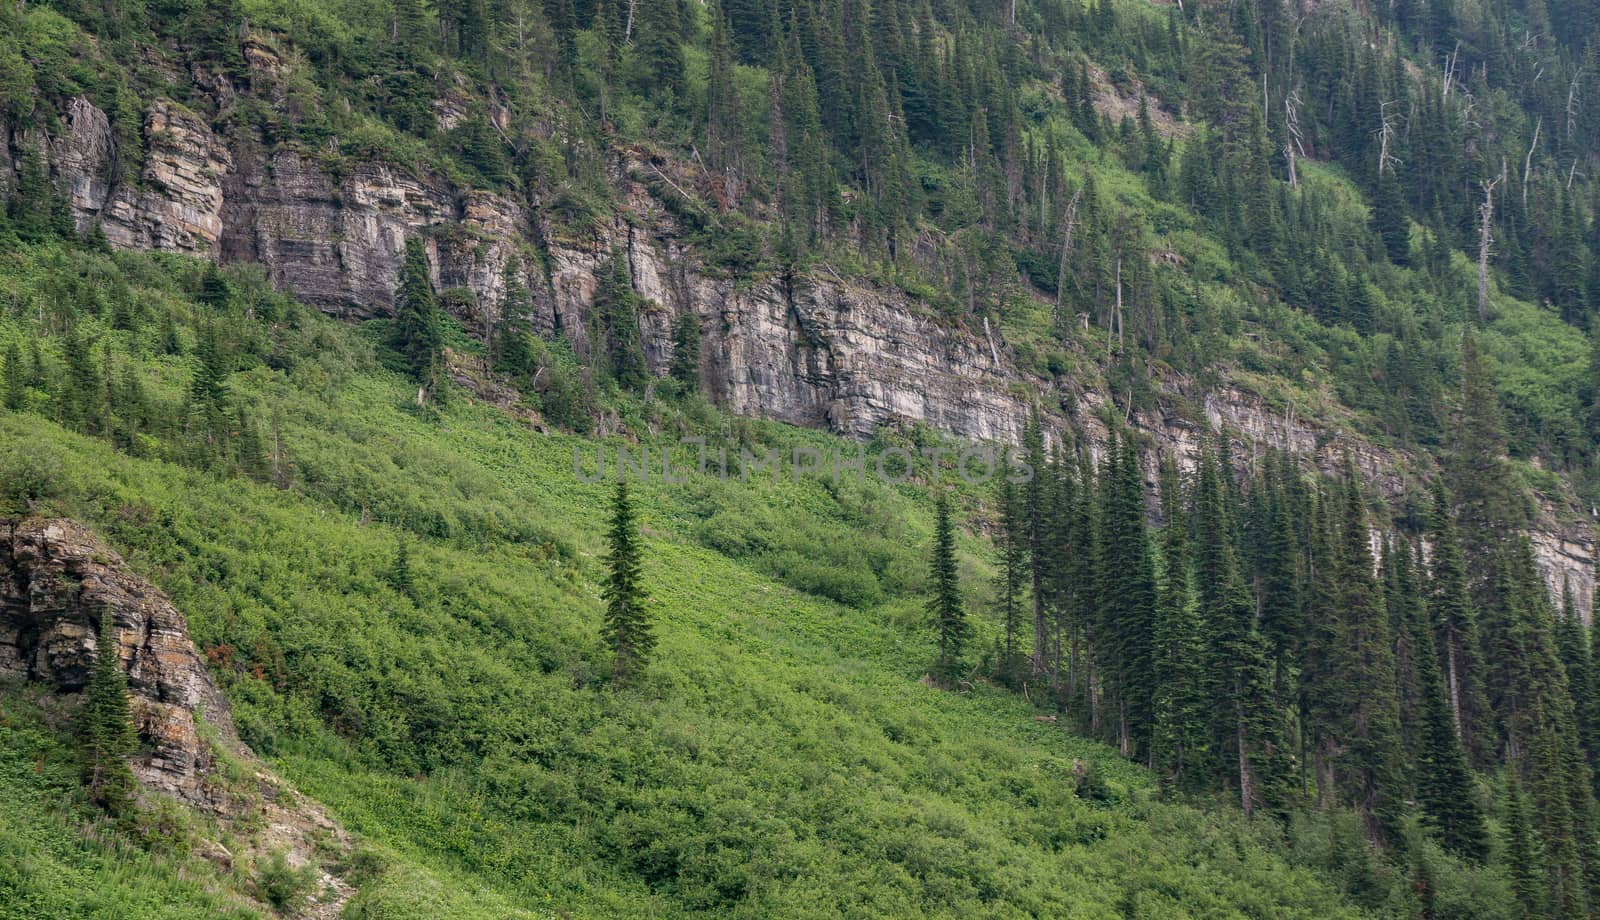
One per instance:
(782, 757)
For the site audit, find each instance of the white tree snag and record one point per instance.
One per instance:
(1527, 165)
(1485, 239)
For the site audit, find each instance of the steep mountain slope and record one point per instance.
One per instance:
(1200, 234)
(783, 755)
(254, 151)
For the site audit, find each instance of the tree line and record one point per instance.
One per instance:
(1282, 639)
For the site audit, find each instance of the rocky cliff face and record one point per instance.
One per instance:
(56, 579)
(814, 350)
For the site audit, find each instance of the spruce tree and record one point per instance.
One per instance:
(416, 332)
(1126, 622)
(105, 724)
(616, 305)
(628, 629)
(656, 36)
(1012, 543)
(1369, 767)
(15, 394)
(214, 288)
(1520, 853)
(1444, 780)
(1489, 506)
(949, 616)
(1456, 634)
(1180, 706)
(686, 352)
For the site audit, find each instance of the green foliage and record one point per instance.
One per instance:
(949, 616)
(459, 730)
(416, 331)
(105, 724)
(285, 887)
(627, 624)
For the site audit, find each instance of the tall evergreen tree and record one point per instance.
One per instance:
(686, 351)
(1443, 778)
(15, 393)
(1012, 543)
(628, 630)
(949, 616)
(416, 331)
(1368, 769)
(105, 724)
(1456, 634)
(616, 306)
(1178, 750)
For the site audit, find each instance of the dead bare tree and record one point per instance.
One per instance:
(1069, 220)
(1292, 147)
(1485, 240)
(1386, 160)
(1527, 165)
(1572, 103)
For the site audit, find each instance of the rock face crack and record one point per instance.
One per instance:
(56, 579)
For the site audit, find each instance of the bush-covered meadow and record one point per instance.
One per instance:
(446, 701)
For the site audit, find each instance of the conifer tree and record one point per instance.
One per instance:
(1443, 778)
(1520, 853)
(657, 43)
(1126, 621)
(686, 351)
(401, 576)
(1013, 546)
(1369, 767)
(628, 630)
(511, 344)
(416, 331)
(1035, 497)
(1178, 750)
(15, 393)
(949, 616)
(214, 288)
(1246, 742)
(1488, 504)
(105, 724)
(616, 305)
(1456, 634)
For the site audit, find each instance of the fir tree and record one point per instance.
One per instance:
(686, 352)
(1489, 505)
(616, 305)
(1012, 543)
(1456, 634)
(657, 45)
(105, 724)
(1444, 779)
(1369, 765)
(949, 616)
(628, 630)
(1178, 750)
(214, 288)
(401, 577)
(416, 332)
(1520, 854)
(15, 394)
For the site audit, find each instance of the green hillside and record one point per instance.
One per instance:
(783, 755)
(1216, 683)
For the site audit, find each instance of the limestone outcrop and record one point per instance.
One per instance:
(56, 579)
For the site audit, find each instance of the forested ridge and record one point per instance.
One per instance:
(1287, 694)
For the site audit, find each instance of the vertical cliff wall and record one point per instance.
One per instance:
(816, 349)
